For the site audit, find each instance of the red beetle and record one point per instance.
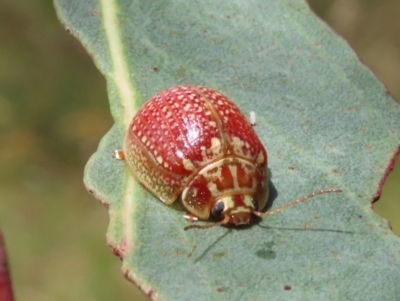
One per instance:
(194, 142)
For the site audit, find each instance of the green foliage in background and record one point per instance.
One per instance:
(53, 111)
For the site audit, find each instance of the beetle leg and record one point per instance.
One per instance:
(190, 217)
(253, 121)
(118, 154)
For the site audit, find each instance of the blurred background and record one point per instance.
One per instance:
(53, 112)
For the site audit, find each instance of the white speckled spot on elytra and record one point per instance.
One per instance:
(237, 142)
(260, 158)
(187, 164)
(215, 142)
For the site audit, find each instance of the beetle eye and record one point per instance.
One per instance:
(255, 203)
(218, 209)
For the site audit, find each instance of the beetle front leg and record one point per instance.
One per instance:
(118, 154)
(190, 217)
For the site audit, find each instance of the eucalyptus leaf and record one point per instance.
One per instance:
(325, 120)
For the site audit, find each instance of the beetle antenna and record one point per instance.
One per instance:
(298, 201)
(223, 222)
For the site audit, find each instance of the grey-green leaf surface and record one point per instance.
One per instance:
(324, 118)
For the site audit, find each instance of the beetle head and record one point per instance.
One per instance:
(232, 210)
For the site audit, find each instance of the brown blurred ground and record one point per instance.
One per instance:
(53, 112)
